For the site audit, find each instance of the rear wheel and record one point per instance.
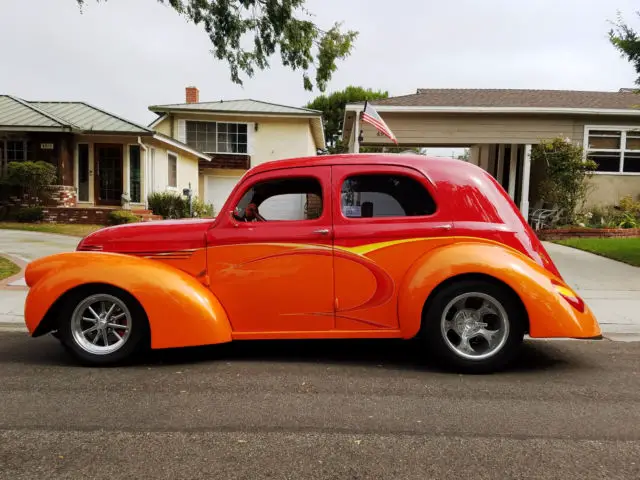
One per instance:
(102, 326)
(475, 326)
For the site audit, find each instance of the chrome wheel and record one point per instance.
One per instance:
(474, 325)
(101, 324)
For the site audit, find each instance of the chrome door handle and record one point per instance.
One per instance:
(322, 231)
(444, 227)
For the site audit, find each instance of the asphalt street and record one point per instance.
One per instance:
(319, 410)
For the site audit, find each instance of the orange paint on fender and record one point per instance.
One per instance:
(181, 311)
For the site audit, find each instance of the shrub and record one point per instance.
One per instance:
(120, 217)
(566, 174)
(629, 205)
(31, 177)
(171, 205)
(168, 205)
(30, 214)
(200, 208)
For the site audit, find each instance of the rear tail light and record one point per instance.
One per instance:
(569, 295)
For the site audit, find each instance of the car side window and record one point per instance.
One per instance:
(291, 198)
(384, 195)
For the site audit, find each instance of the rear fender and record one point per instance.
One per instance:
(550, 315)
(181, 311)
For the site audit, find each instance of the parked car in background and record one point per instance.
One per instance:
(336, 246)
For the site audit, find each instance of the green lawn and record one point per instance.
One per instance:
(625, 250)
(7, 268)
(75, 230)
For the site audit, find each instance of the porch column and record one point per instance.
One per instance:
(500, 167)
(513, 170)
(65, 162)
(526, 175)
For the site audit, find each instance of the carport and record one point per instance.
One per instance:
(501, 126)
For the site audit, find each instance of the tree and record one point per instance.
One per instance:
(332, 107)
(268, 25)
(566, 174)
(626, 41)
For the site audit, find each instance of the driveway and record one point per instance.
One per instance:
(25, 247)
(612, 289)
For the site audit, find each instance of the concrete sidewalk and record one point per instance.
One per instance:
(610, 288)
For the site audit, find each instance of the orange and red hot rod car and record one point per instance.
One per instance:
(337, 246)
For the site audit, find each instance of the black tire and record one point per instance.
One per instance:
(505, 350)
(136, 340)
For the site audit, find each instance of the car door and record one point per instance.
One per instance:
(385, 218)
(275, 277)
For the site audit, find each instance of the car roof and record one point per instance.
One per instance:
(436, 168)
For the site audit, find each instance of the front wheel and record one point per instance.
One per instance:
(102, 326)
(475, 326)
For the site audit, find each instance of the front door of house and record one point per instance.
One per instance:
(108, 174)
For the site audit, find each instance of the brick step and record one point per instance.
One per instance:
(141, 211)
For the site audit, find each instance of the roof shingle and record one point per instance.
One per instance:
(431, 97)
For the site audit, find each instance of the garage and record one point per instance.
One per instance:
(217, 189)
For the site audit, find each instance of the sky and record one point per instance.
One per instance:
(124, 55)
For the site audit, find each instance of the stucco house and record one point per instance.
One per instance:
(501, 126)
(98, 155)
(237, 135)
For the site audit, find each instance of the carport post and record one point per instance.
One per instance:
(526, 175)
(513, 170)
(356, 134)
(500, 166)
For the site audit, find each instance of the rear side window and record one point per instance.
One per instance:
(381, 195)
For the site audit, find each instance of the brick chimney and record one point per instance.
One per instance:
(192, 95)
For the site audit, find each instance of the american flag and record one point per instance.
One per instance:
(370, 116)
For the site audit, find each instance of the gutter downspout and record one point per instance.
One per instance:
(146, 172)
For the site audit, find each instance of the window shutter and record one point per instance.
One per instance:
(182, 131)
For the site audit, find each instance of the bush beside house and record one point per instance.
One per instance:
(172, 206)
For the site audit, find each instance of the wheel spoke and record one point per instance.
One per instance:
(95, 339)
(117, 334)
(118, 326)
(450, 325)
(89, 330)
(486, 309)
(113, 306)
(105, 337)
(93, 312)
(491, 336)
(464, 345)
(90, 320)
(118, 317)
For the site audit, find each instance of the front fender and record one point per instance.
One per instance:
(550, 315)
(181, 311)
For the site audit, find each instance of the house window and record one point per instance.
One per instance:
(16, 151)
(173, 169)
(217, 137)
(615, 151)
(134, 173)
(83, 172)
(383, 195)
